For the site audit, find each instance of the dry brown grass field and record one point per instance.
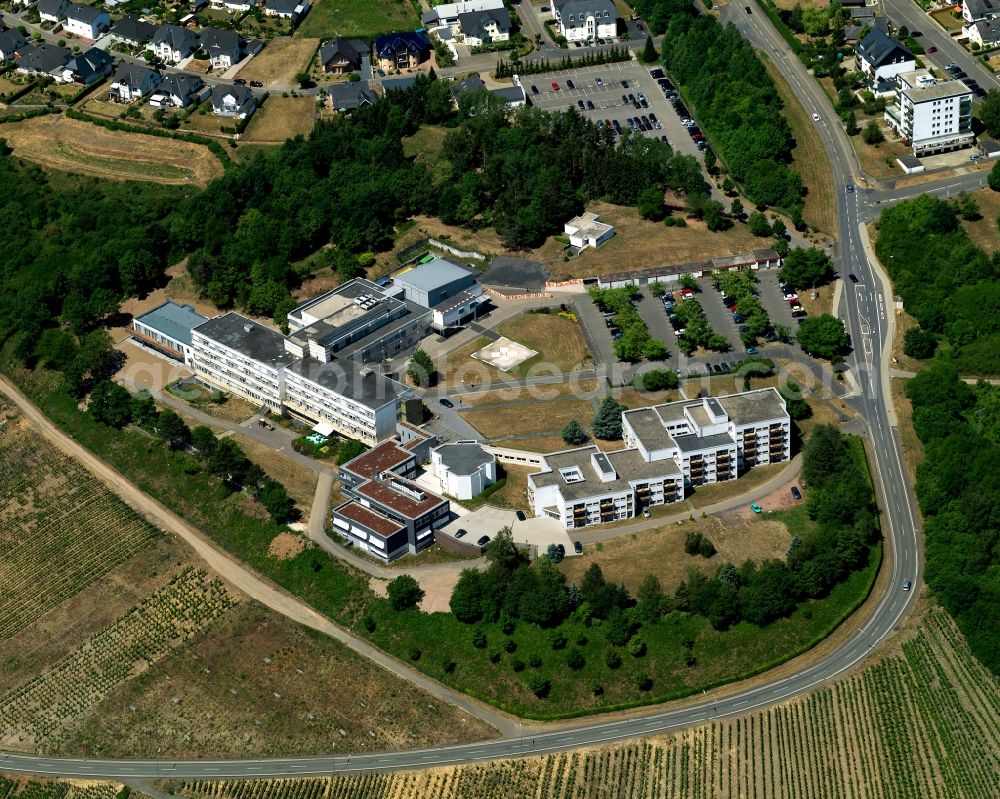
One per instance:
(280, 60)
(256, 684)
(528, 417)
(75, 146)
(627, 559)
(809, 159)
(638, 244)
(281, 118)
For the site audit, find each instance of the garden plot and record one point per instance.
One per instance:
(504, 354)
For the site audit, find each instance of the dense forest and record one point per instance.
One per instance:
(958, 485)
(946, 281)
(738, 105)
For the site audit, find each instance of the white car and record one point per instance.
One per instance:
(815, 117)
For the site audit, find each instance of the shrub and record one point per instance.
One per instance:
(539, 686)
(517, 664)
(368, 623)
(495, 655)
(613, 660)
(643, 681)
(479, 639)
(637, 647)
(448, 665)
(415, 654)
(510, 645)
(596, 688)
(535, 661)
(575, 659)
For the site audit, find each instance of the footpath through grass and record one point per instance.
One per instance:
(684, 654)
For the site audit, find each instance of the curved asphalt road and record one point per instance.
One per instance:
(864, 306)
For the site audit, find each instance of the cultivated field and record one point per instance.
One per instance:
(15, 787)
(362, 18)
(281, 118)
(256, 684)
(280, 61)
(38, 712)
(75, 146)
(60, 528)
(924, 722)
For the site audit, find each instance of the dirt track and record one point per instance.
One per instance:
(236, 574)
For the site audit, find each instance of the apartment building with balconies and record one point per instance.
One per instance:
(932, 116)
(668, 449)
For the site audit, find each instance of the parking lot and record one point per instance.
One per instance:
(602, 87)
(720, 318)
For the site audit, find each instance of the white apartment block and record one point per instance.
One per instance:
(667, 447)
(319, 372)
(933, 116)
(580, 20)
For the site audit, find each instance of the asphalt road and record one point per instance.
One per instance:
(864, 308)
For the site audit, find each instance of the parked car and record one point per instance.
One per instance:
(751, 350)
(578, 547)
(447, 402)
(483, 541)
(598, 82)
(555, 86)
(624, 84)
(739, 318)
(534, 89)
(237, 81)
(520, 516)
(590, 105)
(755, 507)
(796, 494)
(461, 533)
(569, 84)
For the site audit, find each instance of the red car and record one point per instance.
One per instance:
(555, 86)
(931, 49)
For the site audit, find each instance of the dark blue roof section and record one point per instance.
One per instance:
(173, 320)
(413, 41)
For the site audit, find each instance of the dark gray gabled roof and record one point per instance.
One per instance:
(351, 49)
(214, 41)
(980, 7)
(348, 96)
(42, 57)
(239, 93)
(177, 37)
(133, 29)
(93, 62)
(181, 85)
(84, 13)
(51, 7)
(473, 23)
(878, 49)
(11, 40)
(602, 9)
(473, 83)
(282, 6)
(133, 75)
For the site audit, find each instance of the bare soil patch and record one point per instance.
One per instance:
(280, 60)
(984, 231)
(55, 142)
(147, 369)
(255, 684)
(286, 546)
(281, 118)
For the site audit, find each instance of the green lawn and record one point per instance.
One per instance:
(343, 595)
(363, 18)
